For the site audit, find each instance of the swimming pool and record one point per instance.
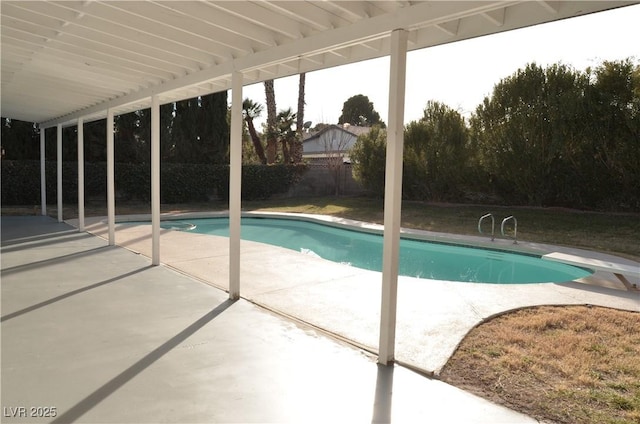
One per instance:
(418, 258)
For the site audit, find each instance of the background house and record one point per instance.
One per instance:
(326, 153)
(331, 143)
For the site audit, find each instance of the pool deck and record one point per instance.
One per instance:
(96, 332)
(432, 317)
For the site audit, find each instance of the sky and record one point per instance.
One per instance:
(463, 73)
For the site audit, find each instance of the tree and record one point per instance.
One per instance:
(368, 156)
(213, 128)
(435, 155)
(286, 135)
(252, 110)
(200, 130)
(358, 110)
(524, 129)
(20, 140)
(612, 132)
(296, 150)
(129, 147)
(271, 131)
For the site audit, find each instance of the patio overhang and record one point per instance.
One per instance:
(65, 60)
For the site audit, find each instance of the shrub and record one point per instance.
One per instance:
(179, 183)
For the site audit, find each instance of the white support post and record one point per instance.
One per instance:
(80, 174)
(111, 194)
(59, 168)
(43, 174)
(235, 185)
(393, 196)
(155, 180)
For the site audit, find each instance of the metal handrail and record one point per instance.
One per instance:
(515, 228)
(493, 224)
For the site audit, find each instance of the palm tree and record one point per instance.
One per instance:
(296, 148)
(272, 141)
(250, 111)
(286, 135)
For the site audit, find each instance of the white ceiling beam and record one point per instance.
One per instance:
(306, 13)
(91, 27)
(375, 45)
(550, 6)
(118, 18)
(262, 17)
(109, 52)
(449, 28)
(318, 60)
(102, 72)
(219, 18)
(496, 17)
(353, 10)
(149, 11)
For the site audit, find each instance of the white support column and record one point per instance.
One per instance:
(155, 180)
(393, 196)
(43, 174)
(111, 194)
(80, 174)
(235, 185)
(59, 168)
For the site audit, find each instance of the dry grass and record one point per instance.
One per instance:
(612, 233)
(576, 364)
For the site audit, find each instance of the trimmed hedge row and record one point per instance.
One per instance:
(179, 183)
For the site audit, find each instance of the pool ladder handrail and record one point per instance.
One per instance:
(515, 228)
(493, 224)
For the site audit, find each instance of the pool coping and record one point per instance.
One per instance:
(498, 244)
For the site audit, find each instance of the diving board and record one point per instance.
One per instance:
(618, 269)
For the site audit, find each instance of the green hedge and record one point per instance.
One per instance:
(179, 183)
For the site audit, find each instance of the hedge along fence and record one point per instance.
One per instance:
(179, 183)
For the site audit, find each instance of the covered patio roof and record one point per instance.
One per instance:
(62, 60)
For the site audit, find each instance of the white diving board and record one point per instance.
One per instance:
(618, 269)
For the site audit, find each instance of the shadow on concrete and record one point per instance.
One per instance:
(69, 294)
(384, 394)
(44, 240)
(15, 227)
(53, 261)
(633, 295)
(86, 404)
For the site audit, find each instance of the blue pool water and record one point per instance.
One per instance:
(418, 258)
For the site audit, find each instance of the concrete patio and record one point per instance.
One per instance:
(98, 334)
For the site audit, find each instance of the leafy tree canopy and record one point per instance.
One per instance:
(358, 110)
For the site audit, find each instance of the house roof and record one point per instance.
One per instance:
(62, 60)
(348, 129)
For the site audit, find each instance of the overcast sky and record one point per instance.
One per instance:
(461, 74)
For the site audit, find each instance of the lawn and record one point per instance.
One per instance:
(604, 232)
(613, 233)
(572, 364)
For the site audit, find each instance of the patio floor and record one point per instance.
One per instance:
(100, 335)
(92, 333)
